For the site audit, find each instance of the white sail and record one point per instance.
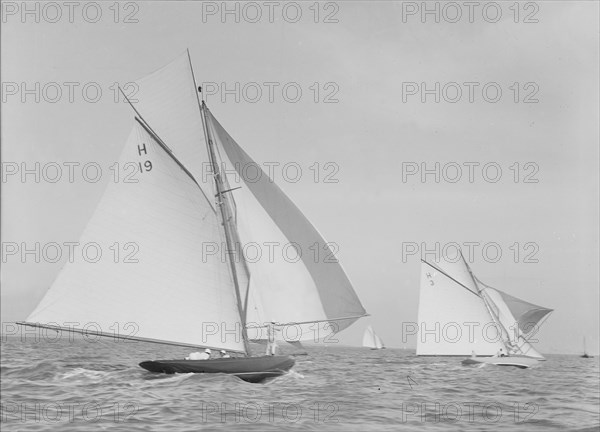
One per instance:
(309, 298)
(516, 341)
(180, 292)
(371, 340)
(175, 292)
(278, 291)
(458, 315)
(168, 102)
(527, 315)
(447, 312)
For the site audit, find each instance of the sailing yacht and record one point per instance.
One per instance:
(585, 354)
(191, 200)
(371, 340)
(459, 315)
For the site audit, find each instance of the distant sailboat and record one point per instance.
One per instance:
(184, 205)
(459, 315)
(585, 354)
(371, 340)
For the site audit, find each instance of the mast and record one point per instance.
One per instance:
(224, 208)
(486, 301)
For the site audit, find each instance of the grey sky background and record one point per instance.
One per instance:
(372, 213)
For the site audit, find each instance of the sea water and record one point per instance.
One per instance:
(77, 384)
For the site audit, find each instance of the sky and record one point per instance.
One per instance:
(374, 118)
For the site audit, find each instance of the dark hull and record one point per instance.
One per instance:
(251, 369)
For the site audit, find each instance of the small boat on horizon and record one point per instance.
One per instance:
(371, 340)
(585, 354)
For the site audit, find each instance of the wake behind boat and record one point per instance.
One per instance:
(189, 219)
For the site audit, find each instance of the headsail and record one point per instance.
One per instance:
(527, 315)
(174, 290)
(459, 315)
(288, 286)
(515, 339)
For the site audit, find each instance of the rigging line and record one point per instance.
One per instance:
(450, 277)
(228, 190)
(485, 285)
(150, 132)
(494, 314)
(142, 122)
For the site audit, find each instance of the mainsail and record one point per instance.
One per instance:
(190, 223)
(167, 100)
(371, 340)
(281, 282)
(295, 280)
(459, 315)
(169, 290)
